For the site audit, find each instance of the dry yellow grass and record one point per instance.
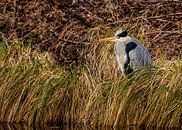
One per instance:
(34, 89)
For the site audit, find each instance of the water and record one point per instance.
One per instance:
(18, 126)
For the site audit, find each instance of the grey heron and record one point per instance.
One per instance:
(130, 53)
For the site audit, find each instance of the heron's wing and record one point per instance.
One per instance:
(140, 56)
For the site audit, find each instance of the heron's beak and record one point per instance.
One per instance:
(111, 39)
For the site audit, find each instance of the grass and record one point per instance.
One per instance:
(34, 89)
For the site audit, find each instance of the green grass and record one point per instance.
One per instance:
(34, 89)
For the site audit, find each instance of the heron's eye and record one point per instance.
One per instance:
(122, 34)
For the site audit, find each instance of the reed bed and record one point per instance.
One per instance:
(34, 89)
(54, 69)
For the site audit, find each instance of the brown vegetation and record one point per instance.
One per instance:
(35, 35)
(69, 28)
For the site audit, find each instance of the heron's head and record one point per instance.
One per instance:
(120, 33)
(120, 36)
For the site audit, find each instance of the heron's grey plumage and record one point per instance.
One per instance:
(136, 57)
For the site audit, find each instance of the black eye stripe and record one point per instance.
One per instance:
(123, 34)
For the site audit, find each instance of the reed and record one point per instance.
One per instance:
(55, 69)
(36, 90)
